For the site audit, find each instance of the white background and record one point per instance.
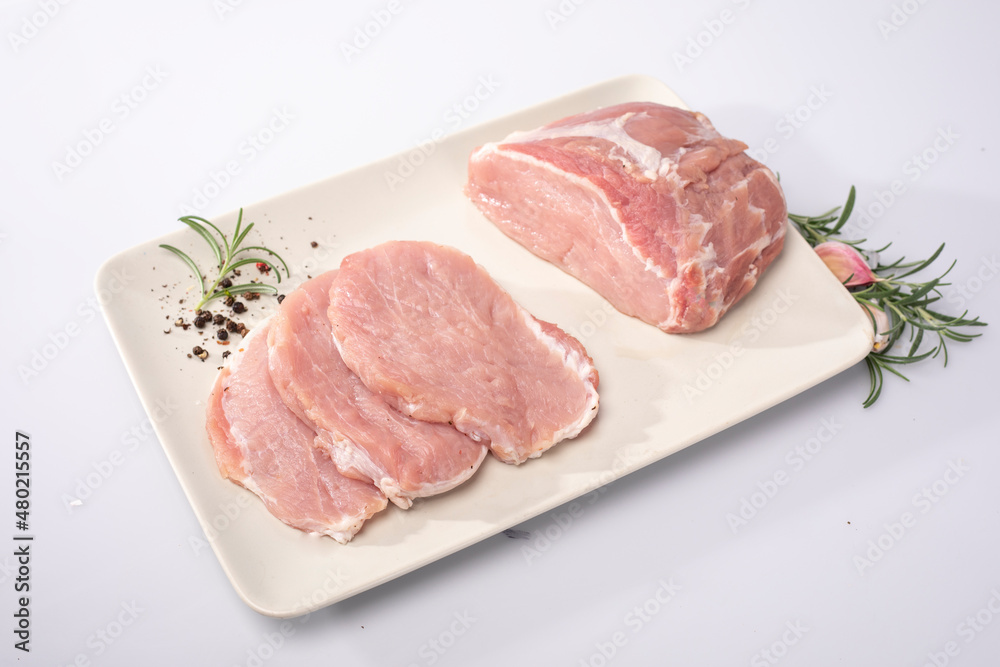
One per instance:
(869, 85)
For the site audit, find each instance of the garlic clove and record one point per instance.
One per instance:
(846, 263)
(882, 326)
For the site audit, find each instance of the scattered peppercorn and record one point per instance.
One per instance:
(200, 322)
(243, 331)
(222, 334)
(226, 283)
(238, 307)
(251, 296)
(263, 268)
(200, 352)
(231, 325)
(226, 354)
(313, 244)
(230, 301)
(218, 319)
(281, 297)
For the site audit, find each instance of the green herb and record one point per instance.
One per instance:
(906, 304)
(226, 258)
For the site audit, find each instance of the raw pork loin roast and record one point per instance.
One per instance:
(648, 204)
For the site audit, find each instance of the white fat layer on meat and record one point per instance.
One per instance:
(706, 257)
(432, 489)
(779, 233)
(647, 262)
(346, 455)
(578, 364)
(647, 158)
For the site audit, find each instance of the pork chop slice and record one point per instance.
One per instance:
(648, 204)
(264, 446)
(367, 438)
(432, 333)
(228, 456)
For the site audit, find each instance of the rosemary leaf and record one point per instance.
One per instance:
(257, 247)
(905, 303)
(190, 262)
(225, 255)
(195, 223)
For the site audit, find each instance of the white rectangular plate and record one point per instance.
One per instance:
(659, 392)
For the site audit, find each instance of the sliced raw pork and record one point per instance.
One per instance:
(364, 436)
(429, 330)
(262, 445)
(648, 204)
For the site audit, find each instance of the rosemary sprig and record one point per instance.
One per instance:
(226, 259)
(906, 304)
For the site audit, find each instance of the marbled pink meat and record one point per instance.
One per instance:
(364, 436)
(648, 204)
(430, 331)
(264, 446)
